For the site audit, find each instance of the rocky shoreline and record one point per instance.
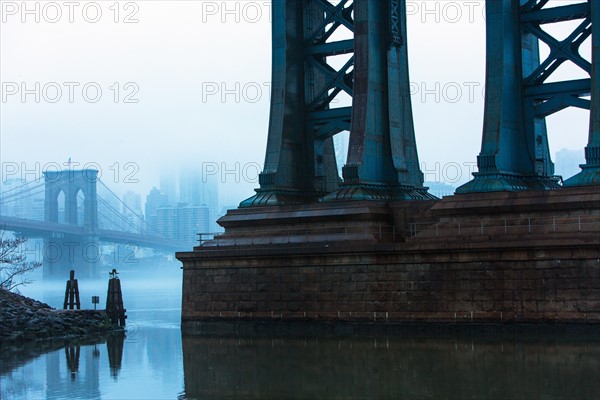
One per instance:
(23, 320)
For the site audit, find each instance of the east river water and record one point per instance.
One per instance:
(153, 361)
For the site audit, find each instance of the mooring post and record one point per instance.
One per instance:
(114, 300)
(72, 293)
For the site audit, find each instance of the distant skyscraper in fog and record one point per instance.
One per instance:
(132, 202)
(183, 222)
(192, 220)
(30, 206)
(567, 161)
(132, 211)
(210, 198)
(168, 185)
(154, 201)
(190, 185)
(198, 189)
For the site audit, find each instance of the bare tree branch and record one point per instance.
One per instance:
(13, 263)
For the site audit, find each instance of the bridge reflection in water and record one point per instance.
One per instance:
(414, 366)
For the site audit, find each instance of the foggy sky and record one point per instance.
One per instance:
(174, 57)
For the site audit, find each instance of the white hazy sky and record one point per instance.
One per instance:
(168, 56)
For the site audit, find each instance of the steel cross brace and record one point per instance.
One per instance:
(300, 163)
(322, 119)
(515, 153)
(590, 171)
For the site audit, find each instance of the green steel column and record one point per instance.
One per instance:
(300, 163)
(320, 150)
(382, 158)
(520, 94)
(590, 174)
(287, 176)
(514, 152)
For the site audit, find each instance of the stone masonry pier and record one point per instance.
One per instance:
(475, 258)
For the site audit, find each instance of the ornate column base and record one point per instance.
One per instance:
(499, 182)
(378, 192)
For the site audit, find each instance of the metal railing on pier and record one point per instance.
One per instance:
(483, 228)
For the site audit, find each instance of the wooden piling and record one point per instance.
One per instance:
(114, 301)
(72, 293)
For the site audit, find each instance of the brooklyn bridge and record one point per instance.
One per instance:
(71, 231)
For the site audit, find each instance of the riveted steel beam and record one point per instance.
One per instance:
(590, 171)
(300, 163)
(514, 152)
(382, 157)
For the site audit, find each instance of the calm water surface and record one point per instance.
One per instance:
(153, 362)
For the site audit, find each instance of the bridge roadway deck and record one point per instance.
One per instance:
(43, 229)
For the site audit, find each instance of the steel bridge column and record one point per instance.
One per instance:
(287, 176)
(382, 158)
(590, 174)
(300, 164)
(514, 152)
(511, 151)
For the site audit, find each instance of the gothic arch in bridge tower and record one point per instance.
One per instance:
(71, 182)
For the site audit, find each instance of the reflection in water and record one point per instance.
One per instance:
(72, 372)
(149, 362)
(144, 364)
(72, 353)
(71, 368)
(114, 347)
(96, 352)
(407, 368)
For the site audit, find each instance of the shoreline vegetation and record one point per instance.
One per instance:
(23, 319)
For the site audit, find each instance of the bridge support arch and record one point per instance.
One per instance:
(63, 252)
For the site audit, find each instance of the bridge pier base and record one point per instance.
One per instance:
(500, 257)
(66, 253)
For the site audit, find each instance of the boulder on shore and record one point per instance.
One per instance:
(23, 319)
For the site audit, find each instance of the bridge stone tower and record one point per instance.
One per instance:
(300, 166)
(63, 252)
(514, 152)
(70, 183)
